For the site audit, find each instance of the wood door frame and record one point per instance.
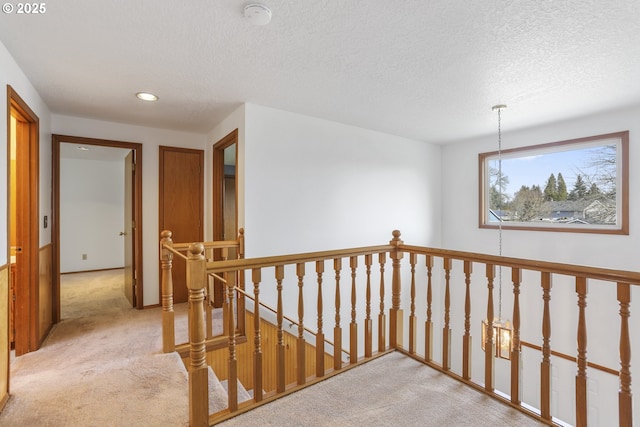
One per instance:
(27, 301)
(217, 211)
(218, 183)
(56, 140)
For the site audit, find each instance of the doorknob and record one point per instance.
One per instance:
(123, 233)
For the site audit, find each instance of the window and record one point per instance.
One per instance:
(580, 185)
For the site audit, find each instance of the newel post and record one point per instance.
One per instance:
(198, 374)
(396, 315)
(168, 328)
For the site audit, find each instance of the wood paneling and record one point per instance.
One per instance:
(4, 339)
(181, 204)
(45, 294)
(219, 359)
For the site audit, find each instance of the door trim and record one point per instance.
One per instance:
(218, 200)
(56, 140)
(218, 184)
(27, 304)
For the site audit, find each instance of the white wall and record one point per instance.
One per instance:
(460, 200)
(91, 214)
(460, 231)
(151, 139)
(311, 184)
(11, 74)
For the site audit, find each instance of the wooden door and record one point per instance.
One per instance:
(30, 329)
(181, 205)
(129, 229)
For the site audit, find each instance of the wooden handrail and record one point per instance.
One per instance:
(173, 250)
(391, 318)
(290, 320)
(217, 277)
(249, 263)
(610, 275)
(217, 244)
(572, 359)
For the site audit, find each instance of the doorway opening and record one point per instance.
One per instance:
(127, 157)
(225, 200)
(31, 312)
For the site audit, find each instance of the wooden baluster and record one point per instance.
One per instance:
(256, 277)
(625, 403)
(428, 324)
(337, 330)
(198, 372)
(545, 365)
(233, 360)
(280, 371)
(226, 309)
(353, 327)
(168, 315)
(301, 344)
(241, 243)
(581, 376)
(466, 339)
(368, 324)
(208, 305)
(208, 297)
(320, 334)
(412, 316)
(516, 360)
(489, 347)
(382, 318)
(446, 330)
(396, 315)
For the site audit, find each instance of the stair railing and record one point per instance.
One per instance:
(211, 250)
(458, 293)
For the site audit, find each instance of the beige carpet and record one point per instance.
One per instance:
(100, 366)
(393, 390)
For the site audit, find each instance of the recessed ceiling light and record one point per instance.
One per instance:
(82, 148)
(257, 14)
(146, 96)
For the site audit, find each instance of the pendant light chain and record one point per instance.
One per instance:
(499, 108)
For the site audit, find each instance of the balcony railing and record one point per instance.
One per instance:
(442, 296)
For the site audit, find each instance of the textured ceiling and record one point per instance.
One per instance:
(428, 70)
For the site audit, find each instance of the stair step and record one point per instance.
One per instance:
(218, 390)
(243, 394)
(218, 398)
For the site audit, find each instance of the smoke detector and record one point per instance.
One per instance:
(257, 14)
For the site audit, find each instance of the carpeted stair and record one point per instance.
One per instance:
(218, 392)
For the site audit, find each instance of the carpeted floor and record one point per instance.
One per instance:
(393, 390)
(101, 365)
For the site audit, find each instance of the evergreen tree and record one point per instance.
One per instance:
(579, 190)
(594, 191)
(497, 197)
(562, 193)
(551, 189)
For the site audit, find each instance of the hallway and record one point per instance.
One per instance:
(101, 365)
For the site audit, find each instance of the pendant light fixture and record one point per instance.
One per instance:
(502, 329)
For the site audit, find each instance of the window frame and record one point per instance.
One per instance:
(622, 186)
